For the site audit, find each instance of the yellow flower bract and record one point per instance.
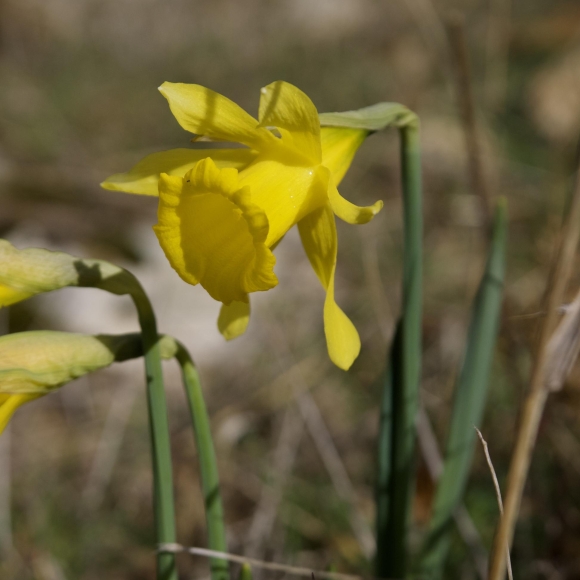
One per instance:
(222, 211)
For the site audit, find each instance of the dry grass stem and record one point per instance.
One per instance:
(295, 570)
(564, 346)
(497, 493)
(538, 391)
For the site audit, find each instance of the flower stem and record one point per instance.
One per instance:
(161, 451)
(207, 463)
(401, 389)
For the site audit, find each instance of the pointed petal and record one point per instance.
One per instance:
(234, 319)
(318, 234)
(350, 213)
(205, 112)
(287, 108)
(9, 404)
(213, 234)
(144, 177)
(339, 146)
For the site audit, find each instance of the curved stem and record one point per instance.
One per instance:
(164, 506)
(214, 513)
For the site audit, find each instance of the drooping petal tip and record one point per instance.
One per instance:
(318, 235)
(349, 212)
(342, 338)
(233, 319)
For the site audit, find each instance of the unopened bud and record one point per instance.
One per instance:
(25, 273)
(34, 363)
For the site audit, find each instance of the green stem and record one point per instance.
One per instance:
(402, 384)
(161, 450)
(207, 463)
(385, 450)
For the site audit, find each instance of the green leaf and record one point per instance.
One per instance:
(469, 402)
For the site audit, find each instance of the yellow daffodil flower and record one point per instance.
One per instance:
(222, 211)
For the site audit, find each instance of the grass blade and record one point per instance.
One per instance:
(469, 403)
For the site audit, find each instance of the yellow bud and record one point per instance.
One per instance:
(24, 273)
(34, 363)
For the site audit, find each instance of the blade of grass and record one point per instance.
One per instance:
(469, 403)
(396, 482)
(214, 513)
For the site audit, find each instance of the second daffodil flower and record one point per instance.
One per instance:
(222, 211)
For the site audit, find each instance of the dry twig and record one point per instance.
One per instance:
(296, 570)
(497, 493)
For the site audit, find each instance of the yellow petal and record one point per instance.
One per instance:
(318, 234)
(287, 108)
(205, 112)
(286, 193)
(350, 213)
(144, 177)
(9, 404)
(339, 146)
(234, 319)
(213, 234)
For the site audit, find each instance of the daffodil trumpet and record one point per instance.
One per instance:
(222, 211)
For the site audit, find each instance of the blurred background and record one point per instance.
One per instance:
(295, 436)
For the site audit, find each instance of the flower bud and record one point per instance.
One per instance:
(25, 273)
(34, 363)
